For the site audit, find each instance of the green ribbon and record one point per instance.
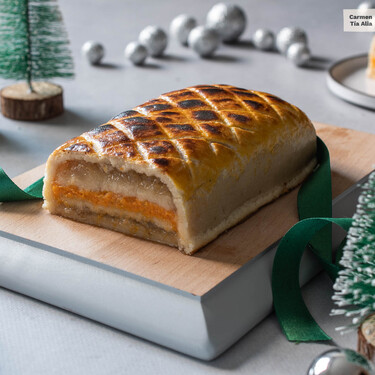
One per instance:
(10, 192)
(314, 230)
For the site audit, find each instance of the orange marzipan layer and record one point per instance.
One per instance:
(109, 199)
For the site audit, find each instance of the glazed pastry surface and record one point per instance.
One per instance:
(184, 167)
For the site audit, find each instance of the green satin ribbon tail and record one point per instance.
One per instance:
(10, 192)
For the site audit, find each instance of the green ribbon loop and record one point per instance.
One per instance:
(314, 230)
(10, 192)
(293, 315)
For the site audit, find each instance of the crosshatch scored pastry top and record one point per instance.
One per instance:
(194, 133)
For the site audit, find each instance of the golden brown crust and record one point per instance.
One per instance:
(193, 134)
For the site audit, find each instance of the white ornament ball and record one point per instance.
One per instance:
(298, 53)
(264, 39)
(154, 39)
(204, 41)
(181, 26)
(340, 361)
(288, 36)
(136, 53)
(228, 20)
(367, 5)
(93, 51)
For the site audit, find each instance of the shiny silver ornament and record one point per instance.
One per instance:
(367, 5)
(154, 39)
(341, 362)
(228, 20)
(264, 39)
(93, 52)
(181, 26)
(288, 36)
(136, 53)
(298, 53)
(203, 41)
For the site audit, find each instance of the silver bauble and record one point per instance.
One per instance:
(264, 39)
(288, 36)
(93, 51)
(154, 39)
(136, 53)
(298, 53)
(367, 5)
(181, 27)
(340, 362)
(204, 41)
(228, 20)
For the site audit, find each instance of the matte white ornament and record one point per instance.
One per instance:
(367, 5)
(298, 53)
(340, 362)
(229, 20)
(181, 26)
(136, 53)
(288, 36)
(264, 39)
(93, 52)
(154, 39)
(204, 41)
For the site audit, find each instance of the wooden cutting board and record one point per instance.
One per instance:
(352, 157)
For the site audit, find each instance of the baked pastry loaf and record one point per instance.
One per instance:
(182, 168)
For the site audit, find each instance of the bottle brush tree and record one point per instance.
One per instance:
(355, 286)
(33, 47)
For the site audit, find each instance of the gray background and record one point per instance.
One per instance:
(39, 339)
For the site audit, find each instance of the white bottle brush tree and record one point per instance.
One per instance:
(33, 46)
(355, 285)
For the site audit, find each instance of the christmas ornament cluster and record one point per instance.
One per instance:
(225, 23)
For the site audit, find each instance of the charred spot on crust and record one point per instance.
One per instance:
(138, 121)
(79, 147)
(247, 94)
(239, 118)
(169, 113)
(192, 103)
(158, 149)
(101, 129)
(141, 130)
(178, 127)
(163, 119)
(179, 94)
(162, 162)
(205, 115)
(275, 98)
(212, 90)
(211, 129)
(157, 107)
(254, 104)
(125, 114)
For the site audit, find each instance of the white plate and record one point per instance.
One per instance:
(347, 79)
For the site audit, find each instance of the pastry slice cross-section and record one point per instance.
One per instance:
(184, 167)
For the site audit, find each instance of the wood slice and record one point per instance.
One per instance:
(19, 103)
(366, 338)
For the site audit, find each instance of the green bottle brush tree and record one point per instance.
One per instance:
(33, 47)
(355, 285)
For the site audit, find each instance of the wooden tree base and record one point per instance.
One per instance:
(366, 338)
(18, 103)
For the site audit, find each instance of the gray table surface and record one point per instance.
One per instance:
(37, 338)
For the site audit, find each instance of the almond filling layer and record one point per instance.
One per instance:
(148, 209)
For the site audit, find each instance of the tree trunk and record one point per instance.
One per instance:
(366, 338)
(19, 103)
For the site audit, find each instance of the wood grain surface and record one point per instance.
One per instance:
(352, 157)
